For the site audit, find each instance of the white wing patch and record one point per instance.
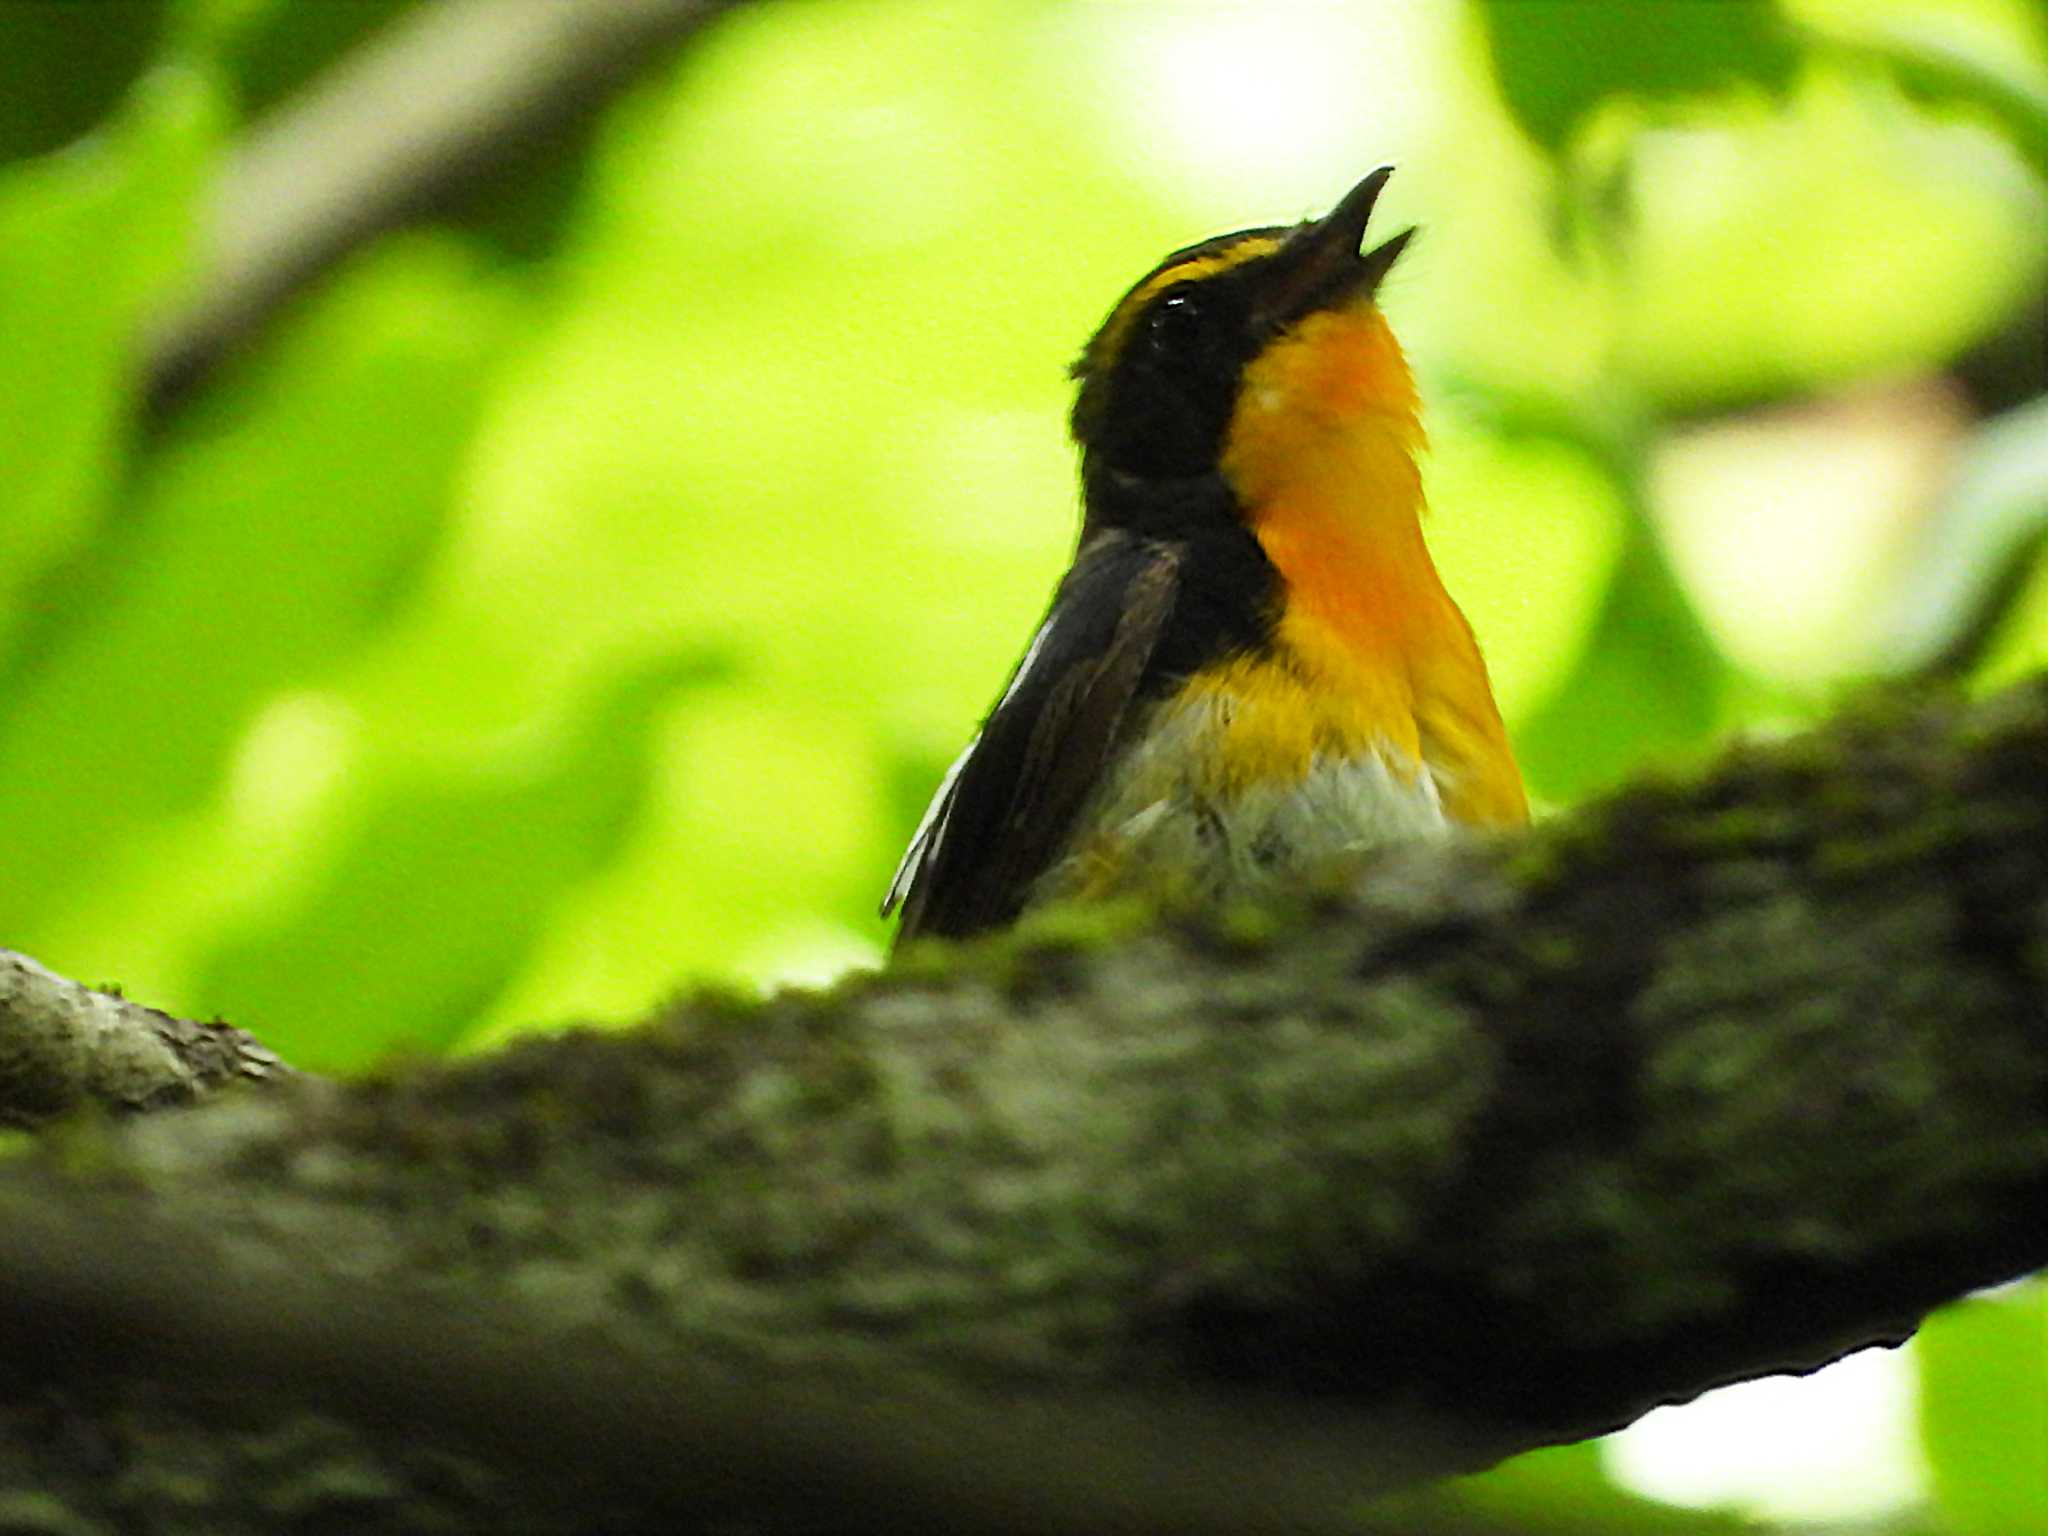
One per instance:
(1031, 653)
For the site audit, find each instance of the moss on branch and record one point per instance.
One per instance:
(1513, 1139)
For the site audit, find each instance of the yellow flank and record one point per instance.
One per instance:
(1468, 750)
(1372, 653)
(1274, 717)
(1110, 340)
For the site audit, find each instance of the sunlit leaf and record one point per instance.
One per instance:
(89, 243)
(1864, 199)
(444, 884)
(265, 543)
(1526, 533)
(1567, 1488)
(1649, 683)
(1984, 1413)
(1940, 74)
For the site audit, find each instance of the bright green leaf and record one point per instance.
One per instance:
(1649, 685)
(1526, 534)
(89, 243)
(447, 881)
(1567, 1488)
(1937, 72)
(267, 541)
(1984, 1412)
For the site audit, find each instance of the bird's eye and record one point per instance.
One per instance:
(1175, 316)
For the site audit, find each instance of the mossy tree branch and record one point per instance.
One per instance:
(63, 1045)
(1504, 1146)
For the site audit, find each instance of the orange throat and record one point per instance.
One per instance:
(1322, 454)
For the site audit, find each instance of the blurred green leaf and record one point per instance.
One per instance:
(1558, 60)
(213, 25)
(1566, 1490)
(1983, 1367)
(1940, 75)
(64, 65)
(1650, 684)
(267, 540)
(89, 242)
(1649, 689)
(1525, 528)
(445, 884)
(1864, 199)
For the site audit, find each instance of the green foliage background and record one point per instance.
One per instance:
(577, 596)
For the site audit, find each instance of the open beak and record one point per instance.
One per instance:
(1322, 265)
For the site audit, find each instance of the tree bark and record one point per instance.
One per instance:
(63, 1045)
(1214, 1222)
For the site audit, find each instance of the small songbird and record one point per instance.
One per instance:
(1252, 670)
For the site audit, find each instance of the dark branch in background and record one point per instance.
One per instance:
(63, 1046)
(1503, 1147)
(455, 93)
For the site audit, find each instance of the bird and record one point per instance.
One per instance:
(1251, 672)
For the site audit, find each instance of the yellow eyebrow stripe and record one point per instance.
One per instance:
(1110, 341)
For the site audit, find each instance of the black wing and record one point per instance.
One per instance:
(1008, 804)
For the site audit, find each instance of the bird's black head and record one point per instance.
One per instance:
(1160, 379)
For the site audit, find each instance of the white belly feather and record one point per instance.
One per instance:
(1157, 823)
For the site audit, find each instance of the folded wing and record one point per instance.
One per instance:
(1005, 810)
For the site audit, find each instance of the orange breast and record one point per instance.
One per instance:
(1378, 657)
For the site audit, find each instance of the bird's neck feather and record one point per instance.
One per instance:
(1321, 453)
